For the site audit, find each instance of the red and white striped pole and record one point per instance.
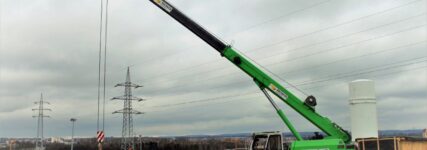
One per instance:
(100, 138)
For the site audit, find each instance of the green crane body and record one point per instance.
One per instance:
(335, 134)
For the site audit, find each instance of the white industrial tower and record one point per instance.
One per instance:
(363, 109)
(128, 141)
(40, 116)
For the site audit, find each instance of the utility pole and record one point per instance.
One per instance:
(40, 116)
(127, 111)
(72, 132)
(140, 142)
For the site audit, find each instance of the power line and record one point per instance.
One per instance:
(318, 43)
(337, 48)
(257, 91)
(285, 15)
(208, 99)
(205, 102)
(236, 82)
(272, 73)
(314, 67)
(359, 56)
(353, 73)
(343, 36)
(293, 38)
(326, 50)
(336, 25)
(414, 1)
(350, 44)
(99, 61)
(250, 27)
(367, 70)
(303, 56)
(105, 64)
(102, 44)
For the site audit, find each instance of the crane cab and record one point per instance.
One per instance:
(267, 141)
(274, 141)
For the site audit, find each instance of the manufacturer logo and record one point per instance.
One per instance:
(164, 5)
(278, 91)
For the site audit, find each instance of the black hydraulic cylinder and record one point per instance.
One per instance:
(191, 25)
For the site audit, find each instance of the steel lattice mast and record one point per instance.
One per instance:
(40, 124)
(127, 111)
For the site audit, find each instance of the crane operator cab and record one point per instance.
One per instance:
(267, 141)
(274, 141)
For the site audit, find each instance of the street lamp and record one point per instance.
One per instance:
(72, 132)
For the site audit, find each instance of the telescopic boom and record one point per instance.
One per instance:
(263, 80)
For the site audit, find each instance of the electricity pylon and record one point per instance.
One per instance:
(40, 116)
(127, 141)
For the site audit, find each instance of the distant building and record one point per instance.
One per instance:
(3, 145)
(425, 133)
(57, 140)
(10, 142)
(60, 140)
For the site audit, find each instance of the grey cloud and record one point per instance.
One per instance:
(52, 47)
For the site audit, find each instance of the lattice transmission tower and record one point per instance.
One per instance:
(128, 139)
(40, 123)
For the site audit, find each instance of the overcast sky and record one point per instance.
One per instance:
(51, 47)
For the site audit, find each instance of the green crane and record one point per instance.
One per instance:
(336, 138)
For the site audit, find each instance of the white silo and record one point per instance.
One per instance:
(363, 109)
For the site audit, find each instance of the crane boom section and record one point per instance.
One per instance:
(331, 129)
